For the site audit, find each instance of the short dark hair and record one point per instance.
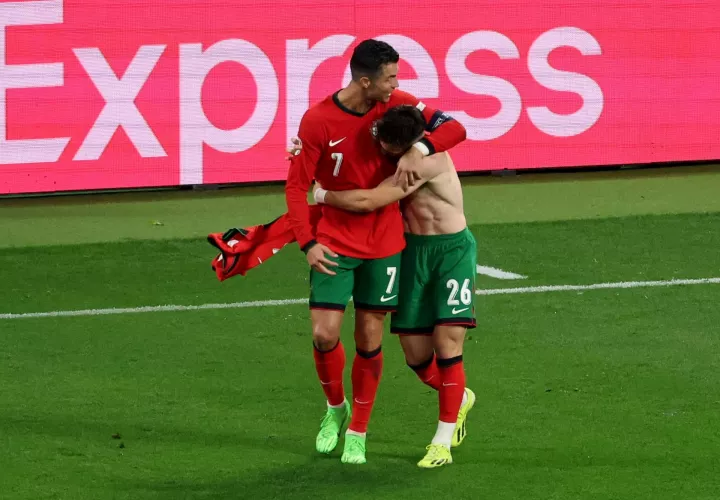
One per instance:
(400, 126)
(369, 57)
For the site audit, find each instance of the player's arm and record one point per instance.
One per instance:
(444, 132)
(365, 200)
(368, 200)
(300, 177)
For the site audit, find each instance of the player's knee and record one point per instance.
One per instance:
(417, 349)
(325, 341)
(448, 341)
(414, 360)
(369, 327)
(326, 328)
(325, 337)
(368, 342)
(419, 365)
(369, 321)
(448, 348)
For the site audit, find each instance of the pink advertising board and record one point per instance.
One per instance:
(101, 94)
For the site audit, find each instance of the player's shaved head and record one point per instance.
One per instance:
(369, 58)
(400, 127)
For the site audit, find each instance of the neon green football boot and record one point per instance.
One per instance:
(354, 452)
(331, 426)
(460, 427)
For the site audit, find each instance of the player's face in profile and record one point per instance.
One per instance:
(383, 85)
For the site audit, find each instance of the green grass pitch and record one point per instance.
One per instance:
(586, 394)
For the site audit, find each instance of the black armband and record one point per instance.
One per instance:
(437, 119)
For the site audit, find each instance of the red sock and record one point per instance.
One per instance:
(366, 373)
(330, 366)
(452, 376)
(428, 373)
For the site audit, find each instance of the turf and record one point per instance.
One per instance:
(488, 200)
(595, 395)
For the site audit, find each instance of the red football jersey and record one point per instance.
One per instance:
(338, 150)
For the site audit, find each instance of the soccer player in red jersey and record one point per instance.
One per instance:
(355, 254)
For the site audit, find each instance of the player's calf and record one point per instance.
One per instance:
(448, 341)
(366, 375)
(420, 357)
(367, 367)
(329, 356)
(428, 373)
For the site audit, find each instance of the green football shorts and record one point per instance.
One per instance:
(437, 283)
(372, 283)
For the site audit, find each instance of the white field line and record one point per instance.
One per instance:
(598, 286)
(147, 309)
(499, 273)
(286, 302)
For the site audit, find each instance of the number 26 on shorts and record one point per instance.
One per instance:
(465, 292)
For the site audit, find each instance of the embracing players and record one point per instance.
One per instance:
(354, 254)
(437, 277)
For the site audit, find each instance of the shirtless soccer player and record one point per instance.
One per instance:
(437, 275)
(354, 254)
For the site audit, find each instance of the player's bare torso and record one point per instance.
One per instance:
(437, 207)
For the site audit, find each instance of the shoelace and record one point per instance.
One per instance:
(434, 451)
(355, 445)
(326, 430)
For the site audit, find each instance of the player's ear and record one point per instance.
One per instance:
(365, 82)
